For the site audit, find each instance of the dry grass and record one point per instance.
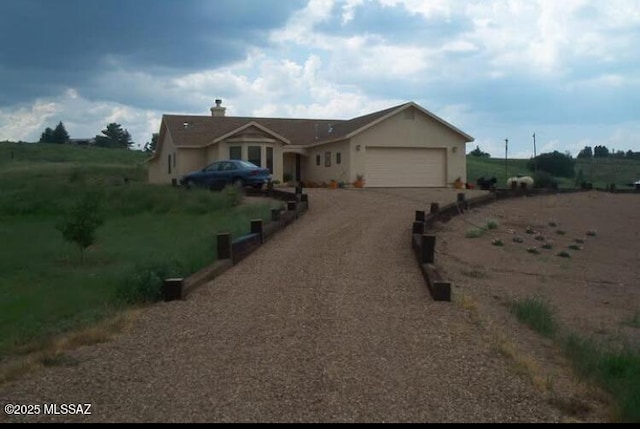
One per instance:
(53, 353)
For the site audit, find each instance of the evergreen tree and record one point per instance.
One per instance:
(114, 137)
(60, 134)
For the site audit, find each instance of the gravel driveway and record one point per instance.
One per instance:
(329, 321)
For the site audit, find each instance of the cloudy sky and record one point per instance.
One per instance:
(568, 70)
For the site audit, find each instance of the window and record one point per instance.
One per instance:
(255, 155)
(270, 159)
(174, 160)
(169, 163)
(338, 158)
(235, 152)
(327, 159)
(317, 159)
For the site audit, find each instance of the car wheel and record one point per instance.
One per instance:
(188, 184)
(238, 183)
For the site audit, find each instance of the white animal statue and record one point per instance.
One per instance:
(520, 182)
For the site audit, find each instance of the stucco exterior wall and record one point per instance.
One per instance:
(158, 170)
(190, 160)
(338, 172)
(416, 130)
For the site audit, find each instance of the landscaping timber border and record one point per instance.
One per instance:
(231, 251)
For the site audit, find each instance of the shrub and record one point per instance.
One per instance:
(497, 242)
(544, 180)
(518, 240)
(533, 250)
(547, 246)
(574, 247)
(143, 284)
(591, 233)
(563, 254)
(232, 195)
(492, 224)
(474, 233)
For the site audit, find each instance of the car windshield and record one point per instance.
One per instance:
(246, 164)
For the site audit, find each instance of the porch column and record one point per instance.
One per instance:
(298, 164)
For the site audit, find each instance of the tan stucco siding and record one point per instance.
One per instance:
(321, 173)
(159, 166)
(190, 160)
(421, 131)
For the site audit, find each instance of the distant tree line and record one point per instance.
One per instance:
(604, 152)
(113, 136)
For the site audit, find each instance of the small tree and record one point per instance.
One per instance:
(81, 222)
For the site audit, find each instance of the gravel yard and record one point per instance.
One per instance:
(330, 321)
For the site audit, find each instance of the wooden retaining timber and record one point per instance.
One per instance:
(231, 251)
(424, 244)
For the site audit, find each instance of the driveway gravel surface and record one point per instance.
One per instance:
(330, 321)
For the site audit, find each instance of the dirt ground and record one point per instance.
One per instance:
(595, 293)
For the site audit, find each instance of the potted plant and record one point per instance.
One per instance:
(359, 183)
(333, 184)
(458, 183)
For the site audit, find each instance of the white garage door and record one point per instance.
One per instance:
(405, 167)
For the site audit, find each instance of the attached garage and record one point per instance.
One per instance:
(405, 167)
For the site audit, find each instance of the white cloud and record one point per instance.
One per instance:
(25, 123)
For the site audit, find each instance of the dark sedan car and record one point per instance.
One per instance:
(230, 172)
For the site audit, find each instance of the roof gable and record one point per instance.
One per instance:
(248, 126)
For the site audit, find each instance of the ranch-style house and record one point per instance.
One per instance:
(402, 146)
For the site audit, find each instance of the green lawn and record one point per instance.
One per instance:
(45, 289)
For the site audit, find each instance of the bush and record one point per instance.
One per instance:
(555, 163)
(544, 180)
(474, 233)
(143, 284)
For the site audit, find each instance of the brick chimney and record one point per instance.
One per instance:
(218, 110)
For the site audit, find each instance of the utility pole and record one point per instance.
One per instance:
(506, 150)
(535, 161)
